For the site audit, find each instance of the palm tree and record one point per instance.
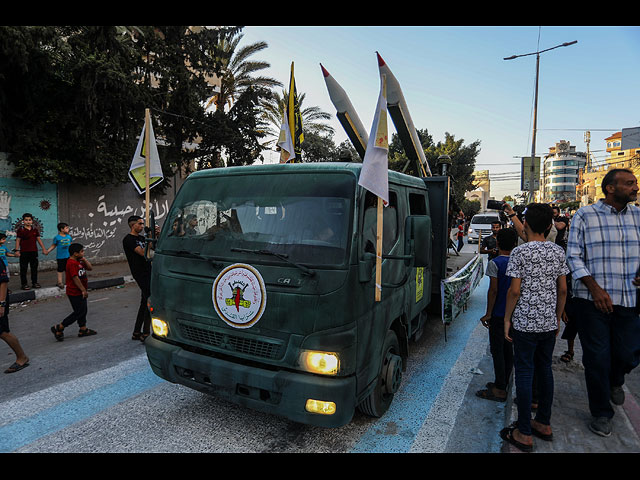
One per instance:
(237, 72)
(312, 117)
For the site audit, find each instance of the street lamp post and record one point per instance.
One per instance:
(535, 111)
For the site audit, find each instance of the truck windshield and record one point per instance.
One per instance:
(304, 217)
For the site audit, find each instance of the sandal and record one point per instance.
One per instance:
(86, 332)
(26, 287)
(16, 367)
(59, 334)
(567, 356)
(60, 286)
(507, 435)
(488, 394)
(547, 437)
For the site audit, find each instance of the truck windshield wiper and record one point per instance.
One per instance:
(281, 256)
(185, 253)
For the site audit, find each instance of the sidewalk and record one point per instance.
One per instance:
(102, 276)
(570, 413)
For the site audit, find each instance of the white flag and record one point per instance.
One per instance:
(285, 142)
(374, 175)
(137, 168)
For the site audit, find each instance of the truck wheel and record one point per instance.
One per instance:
(389, 379)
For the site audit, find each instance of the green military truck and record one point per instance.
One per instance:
(263, 287)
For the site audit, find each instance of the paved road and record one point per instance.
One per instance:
(98, 394)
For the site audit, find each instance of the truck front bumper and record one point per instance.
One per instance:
(273, 391)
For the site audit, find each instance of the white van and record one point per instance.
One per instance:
(481, 223)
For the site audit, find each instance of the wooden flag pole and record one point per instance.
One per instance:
(378, 296)
(379, 252)
(147, 154)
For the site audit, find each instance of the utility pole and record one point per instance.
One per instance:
(535, 112)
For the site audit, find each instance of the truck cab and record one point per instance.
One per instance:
(263, 284)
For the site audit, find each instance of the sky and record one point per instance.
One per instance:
(455, 80)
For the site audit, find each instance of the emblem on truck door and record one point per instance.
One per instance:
(239, 295)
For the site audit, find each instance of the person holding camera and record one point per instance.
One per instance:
(489, 244)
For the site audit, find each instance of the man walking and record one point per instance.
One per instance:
(603, 254)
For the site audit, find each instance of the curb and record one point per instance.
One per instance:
(23, 296)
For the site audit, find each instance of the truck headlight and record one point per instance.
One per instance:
(160, 327)
(325, 363)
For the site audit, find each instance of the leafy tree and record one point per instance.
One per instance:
(72, 98)
(70, 95)
(237, 70)
(234, 135)
(321, 148)
(463, 160)
(470, 207)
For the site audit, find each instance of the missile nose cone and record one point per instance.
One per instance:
(380, 60)
(324, 71)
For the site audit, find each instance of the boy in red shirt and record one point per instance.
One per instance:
(27, 238)
(76, 275)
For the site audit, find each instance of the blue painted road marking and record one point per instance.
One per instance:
(23, 432)
(413, 402)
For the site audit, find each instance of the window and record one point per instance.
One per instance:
(370, 223)
(417, 205)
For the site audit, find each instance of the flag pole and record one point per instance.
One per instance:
(290, 110)
(379, 252)
(380, 225)
(147, 154)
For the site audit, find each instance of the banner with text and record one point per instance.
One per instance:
(455, 290)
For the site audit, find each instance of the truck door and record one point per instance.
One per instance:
(420, 278)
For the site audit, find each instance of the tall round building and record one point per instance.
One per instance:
(560, 172)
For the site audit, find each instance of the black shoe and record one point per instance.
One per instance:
(601, 426)
(617, 395)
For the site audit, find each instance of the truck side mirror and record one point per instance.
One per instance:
(418, 239)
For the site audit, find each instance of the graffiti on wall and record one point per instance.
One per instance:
(108, 221)
(18, 197)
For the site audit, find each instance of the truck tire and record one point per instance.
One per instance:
(389, 379)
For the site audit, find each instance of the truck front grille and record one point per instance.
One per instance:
(248, 346)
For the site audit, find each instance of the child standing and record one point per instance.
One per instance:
(501, 349)
(26, 238)
(460, 236)
(76, 274)
(62, 240)
(535, 302)
(4, 252)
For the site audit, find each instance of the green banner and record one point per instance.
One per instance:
(455, 290)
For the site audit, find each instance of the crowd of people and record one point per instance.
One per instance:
(72, 267)
(547, 270)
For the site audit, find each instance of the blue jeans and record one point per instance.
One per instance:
(533, 351)
(610, 349)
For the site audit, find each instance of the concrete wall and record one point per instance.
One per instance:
(97, 215)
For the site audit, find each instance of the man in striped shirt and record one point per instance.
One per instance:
(603, 254)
